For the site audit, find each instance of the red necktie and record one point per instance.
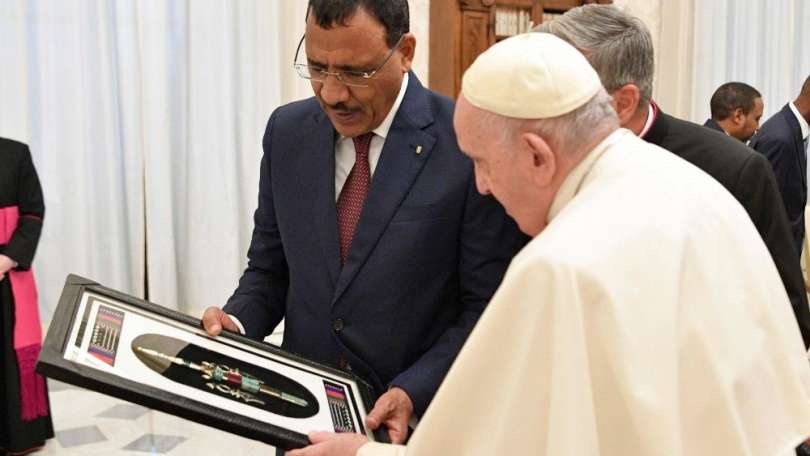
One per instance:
(353, 195)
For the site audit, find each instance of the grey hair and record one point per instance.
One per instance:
(617, 44)
(569, 133)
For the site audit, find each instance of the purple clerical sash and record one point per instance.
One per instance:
(27, 329)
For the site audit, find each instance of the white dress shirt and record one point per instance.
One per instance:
(344, 146)
(802, 121)
(805, 129)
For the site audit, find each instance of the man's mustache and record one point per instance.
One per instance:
(340, 107)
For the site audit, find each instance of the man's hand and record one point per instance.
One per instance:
(331, 444)
(6, 264)
(394, 410)
(214, 320)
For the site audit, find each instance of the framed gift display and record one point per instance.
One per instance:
(109, 342)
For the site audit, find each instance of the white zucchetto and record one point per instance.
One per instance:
(530, 76)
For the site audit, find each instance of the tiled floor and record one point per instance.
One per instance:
(88, 423)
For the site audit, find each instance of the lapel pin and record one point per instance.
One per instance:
(418, 150)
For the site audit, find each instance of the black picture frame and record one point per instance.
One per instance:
(55, 362)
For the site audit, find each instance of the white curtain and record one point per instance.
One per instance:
(211, 81)
(701, 44)
(65, 90)
(145, 120)
(763, 43)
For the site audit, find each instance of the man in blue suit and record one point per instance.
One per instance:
(783, 140)
(370, 238)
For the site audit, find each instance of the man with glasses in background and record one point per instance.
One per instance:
(370, 238)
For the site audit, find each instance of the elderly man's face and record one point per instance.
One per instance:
(358, 46)
(505, 172)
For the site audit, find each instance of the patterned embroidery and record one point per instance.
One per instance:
(106, 334)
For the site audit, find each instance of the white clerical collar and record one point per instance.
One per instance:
(652, 113)
(384, 126)
(802, 121)
(571, 184)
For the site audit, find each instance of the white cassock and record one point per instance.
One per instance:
(646, 319)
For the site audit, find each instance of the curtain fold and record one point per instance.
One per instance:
(216, 84)
(701, 44)
(145, 121)
(62, 94)
(748, 41)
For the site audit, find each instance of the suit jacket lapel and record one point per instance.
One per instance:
(323, 137)
(396, 171)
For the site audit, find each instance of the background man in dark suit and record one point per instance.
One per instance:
(783, 140)
(619, 47)
(389, 279)
(736, 109)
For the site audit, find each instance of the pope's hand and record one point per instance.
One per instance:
(331, 444)
(394, 410)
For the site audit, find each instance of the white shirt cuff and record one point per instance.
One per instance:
(237, 323)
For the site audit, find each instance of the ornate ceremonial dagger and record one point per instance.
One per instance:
(220, 374)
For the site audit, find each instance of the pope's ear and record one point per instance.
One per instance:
(540, 159)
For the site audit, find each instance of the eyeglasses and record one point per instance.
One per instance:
(349, 78)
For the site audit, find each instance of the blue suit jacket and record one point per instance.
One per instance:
(780, 140)
(426, 257)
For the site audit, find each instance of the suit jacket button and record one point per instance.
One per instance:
(337, 325)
